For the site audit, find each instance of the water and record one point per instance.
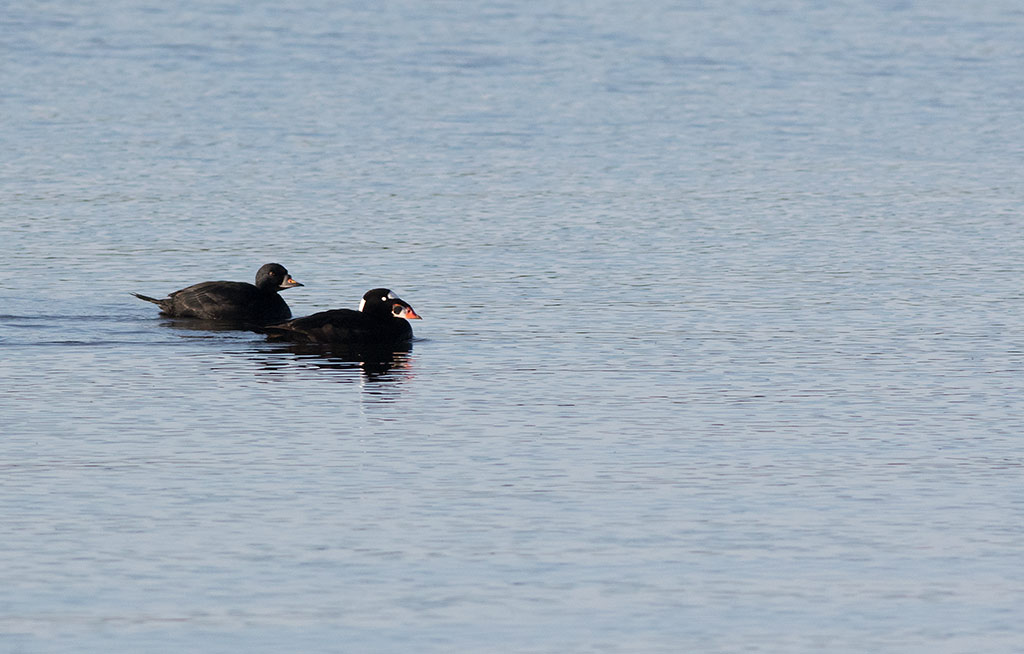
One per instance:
(721, 350)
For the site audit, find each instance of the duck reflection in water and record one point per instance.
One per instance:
(380, 365)
(200, 325)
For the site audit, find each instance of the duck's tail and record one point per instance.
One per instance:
(165, 304)
(149, 299)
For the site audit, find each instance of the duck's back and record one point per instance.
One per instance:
(342, 326)
(226, 301)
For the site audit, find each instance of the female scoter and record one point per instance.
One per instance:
(236, 301)
(379, 322)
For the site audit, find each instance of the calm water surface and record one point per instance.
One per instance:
(722, 346)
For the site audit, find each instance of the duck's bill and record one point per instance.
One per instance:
(290, 283)
(409, 314)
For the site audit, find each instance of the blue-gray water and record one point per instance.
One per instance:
(722, 350)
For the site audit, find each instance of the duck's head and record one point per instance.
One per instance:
(381, 302)
(273, 277)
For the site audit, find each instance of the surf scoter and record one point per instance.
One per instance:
(236, 301)
(381, 321)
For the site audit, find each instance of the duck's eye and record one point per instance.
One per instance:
(384, 298)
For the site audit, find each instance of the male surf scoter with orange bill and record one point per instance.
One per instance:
(381, 321)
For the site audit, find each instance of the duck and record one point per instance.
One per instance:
(382, 320)
(257, 303)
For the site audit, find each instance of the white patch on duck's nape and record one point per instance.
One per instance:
(383, 298)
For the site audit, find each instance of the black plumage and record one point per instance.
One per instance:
(379, 322)
(235, 301)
